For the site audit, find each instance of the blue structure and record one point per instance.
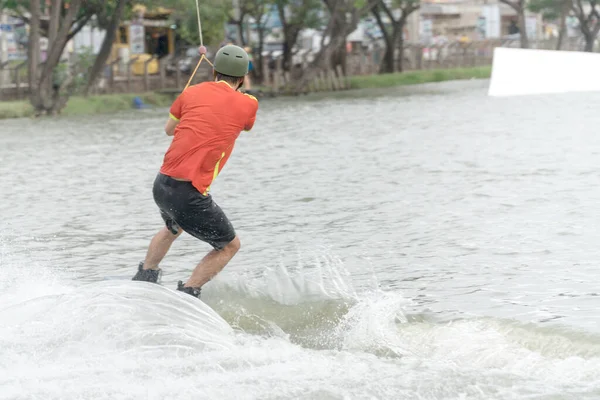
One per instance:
(139, 104)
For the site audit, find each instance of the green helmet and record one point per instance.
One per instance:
(231, 60)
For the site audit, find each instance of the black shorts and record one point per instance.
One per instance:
(183, 206)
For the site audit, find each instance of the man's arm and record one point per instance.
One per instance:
(170, 125)
(253, 110)
(174, 116)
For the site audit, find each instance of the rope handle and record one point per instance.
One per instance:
(201, 49)
(203, 57)
(199, 23)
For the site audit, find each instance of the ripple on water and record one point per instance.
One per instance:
(459, 220)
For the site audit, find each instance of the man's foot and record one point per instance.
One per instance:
(189, 290)
(147, 275)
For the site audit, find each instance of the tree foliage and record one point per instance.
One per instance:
(51, 81)
(341, 19)
(296, 15)
(550, 9)
(102, 10)
(259, 11)
(588, 14)
(213, 15)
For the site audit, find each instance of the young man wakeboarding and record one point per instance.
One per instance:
(205, 121)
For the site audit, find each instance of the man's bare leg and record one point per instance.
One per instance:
(159, 246)
(212, 264)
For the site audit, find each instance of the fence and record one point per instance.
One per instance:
(117, 77)
(450, 55)
(166, 75)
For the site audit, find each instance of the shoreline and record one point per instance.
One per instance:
(114, 103)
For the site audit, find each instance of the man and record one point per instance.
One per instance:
(248, 81)
(205, 120)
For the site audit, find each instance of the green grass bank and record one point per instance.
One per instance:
(419, 77)
(77, 105)
(106, 104)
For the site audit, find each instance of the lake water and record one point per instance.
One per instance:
(416, 243)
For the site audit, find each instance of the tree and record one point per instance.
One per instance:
(51, 82)
(296, 15)
(213, 13)
(342, 17)
(394, 37)
(21, 8)
(258, 10)
(519, 7)
(553, 10)
(44, 91)
(343, 20)
(111, 27)
(589, 22)
(238, 14)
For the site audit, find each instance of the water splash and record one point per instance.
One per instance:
(372, 325)
(312, 336)
(317, 275)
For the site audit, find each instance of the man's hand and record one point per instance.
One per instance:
(170, 126)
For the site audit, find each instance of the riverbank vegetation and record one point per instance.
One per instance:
(112, 103)
(52, 82)
(79, 105)
(417, 77)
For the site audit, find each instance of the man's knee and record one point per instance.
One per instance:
(179, 232)
(234, 245)
(170, 234)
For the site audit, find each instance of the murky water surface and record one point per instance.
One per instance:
(417, 243)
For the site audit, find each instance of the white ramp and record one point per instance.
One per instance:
(517, 72)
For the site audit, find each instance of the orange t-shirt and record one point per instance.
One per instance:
(211, 116)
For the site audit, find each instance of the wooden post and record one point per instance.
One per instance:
(322, 80)
(17, 83)
(341, 79)
(326, 81)
(277, 77)
(318, 82)
(177, 74)
(18, 79)
(131, 61)
(452, 48)
(316, 87)
(266, 72)
(332, 79)
(112, 74)
(163, 70)
(2, 75)
(361, 63)
(310, 86)
(146, 77)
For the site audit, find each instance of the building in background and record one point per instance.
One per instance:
(473, 19)
(13, 38)
(150, 33)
